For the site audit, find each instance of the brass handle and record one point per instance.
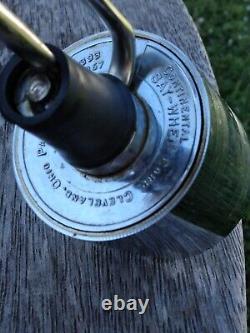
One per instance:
(21, 40)
(123, 57)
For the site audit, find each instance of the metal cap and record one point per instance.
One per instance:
(106, 208)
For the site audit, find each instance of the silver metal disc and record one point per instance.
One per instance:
(106, 208)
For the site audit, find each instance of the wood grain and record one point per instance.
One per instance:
(51, 283)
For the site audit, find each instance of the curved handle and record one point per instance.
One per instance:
(123, 57)
(91, 109)
(20, 39)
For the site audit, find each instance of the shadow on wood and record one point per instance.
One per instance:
(51, 283)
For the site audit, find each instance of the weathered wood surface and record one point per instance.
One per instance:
(51, 283)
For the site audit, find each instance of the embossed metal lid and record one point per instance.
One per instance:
(110, 207)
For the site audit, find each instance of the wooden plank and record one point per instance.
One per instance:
(51, 283)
